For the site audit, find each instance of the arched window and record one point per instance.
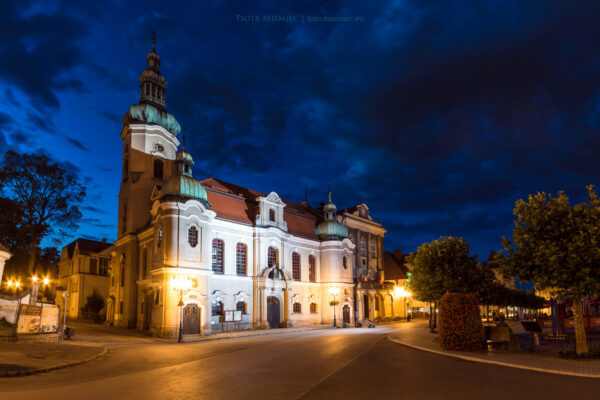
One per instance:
(217, 308)
(193, 236)
(271, 257)
(296, 266)
(159, 236)
(158, 169)
(271, 215)
(217, 256)
(313, 308)
(240, 259)
(312, 269)
(242, 306)
(345, 262)
(297, 308)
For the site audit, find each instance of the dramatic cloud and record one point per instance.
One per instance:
(438, 115)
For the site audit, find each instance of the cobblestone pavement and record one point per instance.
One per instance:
(417, 335)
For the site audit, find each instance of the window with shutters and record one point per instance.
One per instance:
(217, 256)
(313, 308)
(296, 266)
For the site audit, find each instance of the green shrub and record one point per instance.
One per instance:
(460, 324)
(95, 302)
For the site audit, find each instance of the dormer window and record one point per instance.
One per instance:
(271, 215)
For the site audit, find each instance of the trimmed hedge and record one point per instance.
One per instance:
(460, 324)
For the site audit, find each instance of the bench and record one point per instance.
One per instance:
(502, 336)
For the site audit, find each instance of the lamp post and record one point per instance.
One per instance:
(180, 286)
(334, 292)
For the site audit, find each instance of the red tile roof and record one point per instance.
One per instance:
(238, 204)
(86, 246)
(393, 265)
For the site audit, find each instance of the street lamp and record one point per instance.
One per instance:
(334, 292)
(180, 286)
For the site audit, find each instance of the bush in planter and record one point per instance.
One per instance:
(459, 322)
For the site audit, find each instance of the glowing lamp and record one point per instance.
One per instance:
(35, 278)
(46, 281)
(9, 283)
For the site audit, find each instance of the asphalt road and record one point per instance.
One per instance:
(326, 364)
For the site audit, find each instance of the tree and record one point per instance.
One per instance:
(95, 302)
(557, 246)
(43, 196)
(445, 265)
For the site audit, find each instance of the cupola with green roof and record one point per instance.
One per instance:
(330, 228)
(183, 184)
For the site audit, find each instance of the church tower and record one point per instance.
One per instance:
(149, 148)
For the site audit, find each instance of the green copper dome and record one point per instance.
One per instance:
(148, 114)
(184, 186)
(331, 230)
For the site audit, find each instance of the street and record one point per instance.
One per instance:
(322, 364)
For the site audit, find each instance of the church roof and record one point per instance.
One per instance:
(2, 248)
(238, 204)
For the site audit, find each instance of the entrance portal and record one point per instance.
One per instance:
(366, 306)
(273, 312)
(346, 314)
(191, 319)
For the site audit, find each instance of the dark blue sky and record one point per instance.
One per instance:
(437, 114)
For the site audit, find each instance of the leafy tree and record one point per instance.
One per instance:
(445, 265)
(557, 246)
(41, 199)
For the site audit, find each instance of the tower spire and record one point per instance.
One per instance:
(153, 85)
(330, 192)
(154, 41)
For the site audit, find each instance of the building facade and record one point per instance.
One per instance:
(83, 269)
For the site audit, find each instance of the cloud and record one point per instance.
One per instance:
(94, 209)
(76, 143)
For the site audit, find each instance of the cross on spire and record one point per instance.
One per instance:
(154, 41)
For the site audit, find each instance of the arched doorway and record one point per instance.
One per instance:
(346, 314)
(379, 310)
(366, 306)
(191, 319)
(273, 312)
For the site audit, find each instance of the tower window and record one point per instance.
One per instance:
(345, 262)
(217, 256)
(240, 259)
(271, 257)
(159, 236)
(312, 269)
(193, 236)
(271, 215)
(158, 169)
(296, 266)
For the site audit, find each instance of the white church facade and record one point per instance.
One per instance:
(198, 254)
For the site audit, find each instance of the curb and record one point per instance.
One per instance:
(11, 374)
(263, 333)
(504, 364)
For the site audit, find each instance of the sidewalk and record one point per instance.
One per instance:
(417, 336)
(34, 358)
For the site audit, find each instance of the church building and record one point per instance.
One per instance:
(211, 256)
